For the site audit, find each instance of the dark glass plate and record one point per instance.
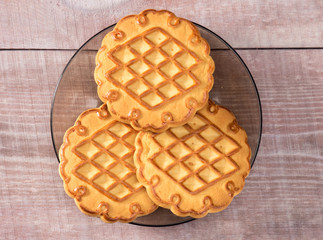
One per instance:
(233, 88)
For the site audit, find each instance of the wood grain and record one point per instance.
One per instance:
(283, 195)
(68, 24)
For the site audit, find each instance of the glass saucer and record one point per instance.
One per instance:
(234, 88)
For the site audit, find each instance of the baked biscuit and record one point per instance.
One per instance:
(154, 70)
(196, 168)
(98, 170)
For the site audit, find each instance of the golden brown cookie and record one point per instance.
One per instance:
(98, 170)
(196, 168)
(154, 70)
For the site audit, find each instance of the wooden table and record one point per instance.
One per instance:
(281, 43)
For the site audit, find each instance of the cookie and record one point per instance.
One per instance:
(154, 70)
(196, 168)
(96, 164)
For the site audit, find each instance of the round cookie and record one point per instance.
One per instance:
(196, 168)
(154, 70)
(96, 164)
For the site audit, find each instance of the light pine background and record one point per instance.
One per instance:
(281, 43)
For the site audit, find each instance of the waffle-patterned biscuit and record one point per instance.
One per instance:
(98, 170)
(196, 168)
(154, 70)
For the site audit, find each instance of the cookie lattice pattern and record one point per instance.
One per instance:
(196, 155)
(107, 161)
(154, 68)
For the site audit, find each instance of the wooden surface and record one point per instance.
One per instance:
(243, 23)
(283, 196)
